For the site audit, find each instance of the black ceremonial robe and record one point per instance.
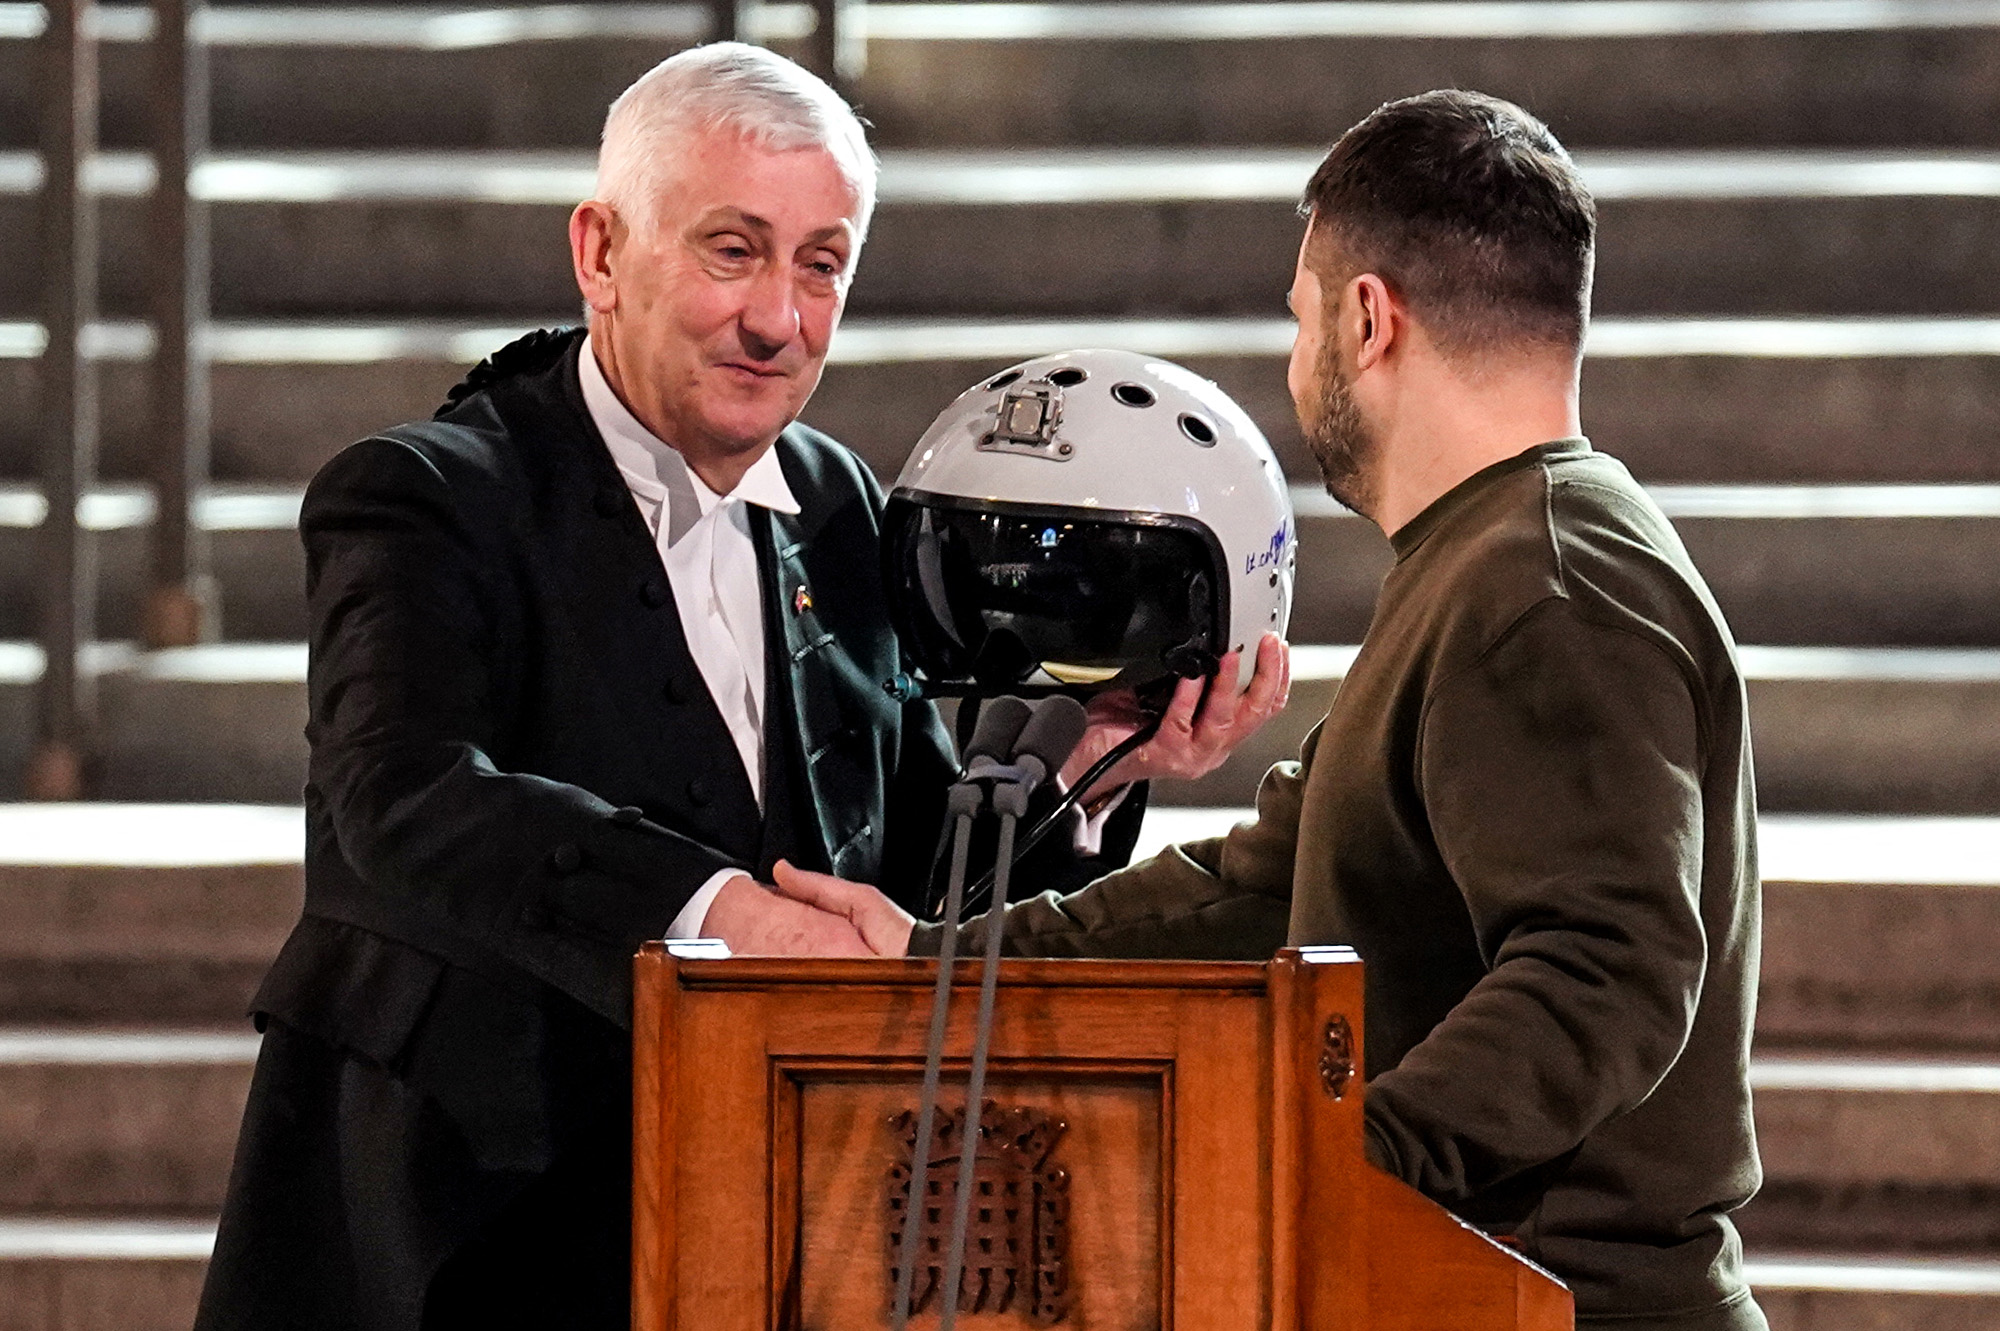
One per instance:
(518, 775)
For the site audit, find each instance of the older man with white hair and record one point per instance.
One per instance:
(593, 651)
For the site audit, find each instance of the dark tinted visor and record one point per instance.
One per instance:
(1008, 596)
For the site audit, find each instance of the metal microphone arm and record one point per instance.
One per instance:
(1039, 744)
(962, 806)
(1045, 742)
(999, 733)
(975, 1084)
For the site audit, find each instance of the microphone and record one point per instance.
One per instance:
(1000, 723)
(1045, 742)
(1039, 833)
(1050, 736)
(999, 730)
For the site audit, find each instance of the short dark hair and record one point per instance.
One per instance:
(1472, 213)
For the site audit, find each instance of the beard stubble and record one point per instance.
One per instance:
(1338, 437)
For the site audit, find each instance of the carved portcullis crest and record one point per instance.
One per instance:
(1017, 1237)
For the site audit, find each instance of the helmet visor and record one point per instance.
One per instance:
(1011, 596)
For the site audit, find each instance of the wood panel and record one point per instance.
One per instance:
(723, 1163)
(1463, 1280)
(1112, 1150)
(821, 974)
(1214, 1144)
(1315, 993)
(655, 1010)
(1222, 1163)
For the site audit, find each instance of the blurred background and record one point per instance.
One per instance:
(234, 240)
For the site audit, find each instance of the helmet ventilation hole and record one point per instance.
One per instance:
(1133, 395)
(1067, 377)
(1003, 380)
(1197, 429)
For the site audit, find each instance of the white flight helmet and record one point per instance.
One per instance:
(1088, 520)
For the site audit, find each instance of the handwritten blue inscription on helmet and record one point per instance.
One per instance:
(1272, 555)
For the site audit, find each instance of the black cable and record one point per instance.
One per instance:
(1039, 833)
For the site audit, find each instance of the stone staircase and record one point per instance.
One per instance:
(1798, 348)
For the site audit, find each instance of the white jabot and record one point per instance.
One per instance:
(711, 563)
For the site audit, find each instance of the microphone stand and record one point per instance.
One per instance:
(998, 730)
(1010, 801)
(962, 803)
(1038, 748)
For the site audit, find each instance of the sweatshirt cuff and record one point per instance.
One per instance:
(926, 940)
(688, 923)
(1375, 1147)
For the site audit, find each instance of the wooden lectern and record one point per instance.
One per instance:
(1169, 1145)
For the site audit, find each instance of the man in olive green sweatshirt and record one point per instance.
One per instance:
(1530, 807)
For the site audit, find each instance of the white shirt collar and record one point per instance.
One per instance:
(656, 471)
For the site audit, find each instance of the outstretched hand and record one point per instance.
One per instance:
(1204, 722)
(880, 922)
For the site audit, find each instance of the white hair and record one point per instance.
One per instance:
(724, 85)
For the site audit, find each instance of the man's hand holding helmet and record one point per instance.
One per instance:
(1204, 722)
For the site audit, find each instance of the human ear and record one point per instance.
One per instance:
(1375, 319)
(591, 231)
